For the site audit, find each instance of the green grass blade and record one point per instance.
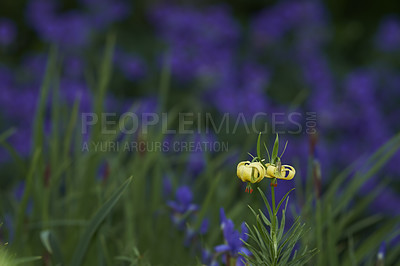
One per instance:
(165, 83)
(38, 130)
(22, 261)
(27, 193)
(94, 223)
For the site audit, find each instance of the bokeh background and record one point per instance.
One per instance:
(339, 59)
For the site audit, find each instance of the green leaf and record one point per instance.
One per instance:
(259, 146)
(281, 201)
(207, 202)
(269, 157)
(373, 241)
(282, 227)
(6, 134)
(95, 222)
(332, 239)
(38, 130)
(275, 150)
(265, 219)
(26, 260)
(284, 149)
(52, 245)
(104, 79)
(27, 193)
(266, 203)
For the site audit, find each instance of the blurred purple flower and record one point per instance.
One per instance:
(381, 252)
(33, 68)
(6, 78)
(167, 186)
(388, 36)
(191, 234)
(102, 13)
(133, 67)
(183, 202)
(8, 32)
(208, 258)
(74, 67)
(197, 160)
(70, 91)
(204, 226)
(233, 239)
(182, 208)
(361, 90)
(202, 39)
(242, 90)
(70, 29)
(272, 24)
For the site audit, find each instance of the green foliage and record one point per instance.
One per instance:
(340, 230)
(85, 218)
(280, 250)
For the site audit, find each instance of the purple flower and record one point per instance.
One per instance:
(183, 202)
(208, 258)
(202, 39)
(191, 234)
(361, 86)
(19, 105)
(8, 32)
(241, 90)
(71, 90)
(74, 68)
(272, 24)
(102, 13)
(133, 67)
(233, 239)
(381, 252)
(197, 161)
(71, 29)
(388, 36)
(167, 186)
(204, 226)
(33, 68)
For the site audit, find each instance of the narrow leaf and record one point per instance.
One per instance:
(95, 222)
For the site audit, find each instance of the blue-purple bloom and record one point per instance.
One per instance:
(132, 67)
(103, 13)
(241, 90)
(388, 36)
(167, 186)
(71, 29)
(208, 258)
(381, 252)
(233, 239)
(8, 32)
(182, 206)
(271, 25)
(184, 201)
(203, 39)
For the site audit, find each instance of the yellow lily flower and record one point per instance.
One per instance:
(254, 172)
(287, 172)
(251, 172)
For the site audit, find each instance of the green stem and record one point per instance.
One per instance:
(273, 200)
(274, 219)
